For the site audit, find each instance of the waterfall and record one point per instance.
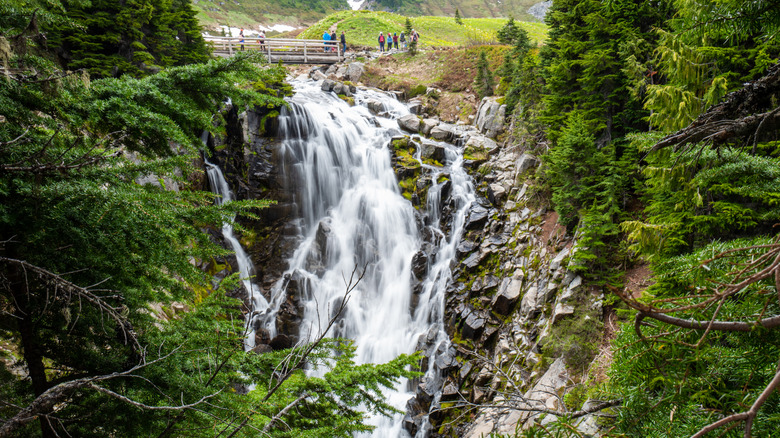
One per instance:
(353, 216)
(220, 187)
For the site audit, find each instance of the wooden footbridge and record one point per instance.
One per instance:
(287, 50)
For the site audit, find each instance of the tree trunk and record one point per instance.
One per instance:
(24, 311)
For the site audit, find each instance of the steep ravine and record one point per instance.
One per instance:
(513, 309)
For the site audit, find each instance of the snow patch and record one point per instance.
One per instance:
(355, 4)
(235, 31)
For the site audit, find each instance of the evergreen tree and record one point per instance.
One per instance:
(457, 17)
(584, 64)
(111, 38)
(509, 32)
(483, 83)
(410, 42)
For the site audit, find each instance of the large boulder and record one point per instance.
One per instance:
(525, 162)
(508, 294)
(410, 123)
(354, 71)
(442, 132)
(481, 142)
(375, 106)
(490, 117)
(428, 125)
(432, 151)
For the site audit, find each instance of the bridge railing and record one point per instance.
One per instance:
(300, 51)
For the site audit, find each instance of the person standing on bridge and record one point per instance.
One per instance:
(261, 39)
(333, 41)
(381, 42)
(395, 41)
(343, 43)
(326, 38)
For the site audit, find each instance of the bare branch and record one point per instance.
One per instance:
(59, 283)
(46, 402)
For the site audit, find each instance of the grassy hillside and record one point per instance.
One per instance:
(250, 13)
(363, 27)
(467, 8)
(301, 13)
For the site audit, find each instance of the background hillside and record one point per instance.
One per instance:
(363, 27)
(300, 13)
(467, 8)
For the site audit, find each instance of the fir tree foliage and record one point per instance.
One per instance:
(508, 34)
(458, 20)
(138, 37)
(676, 381)
(410, 42)
(483, 82)
(584, 65)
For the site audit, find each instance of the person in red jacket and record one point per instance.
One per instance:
(381, 42)
(395, 41)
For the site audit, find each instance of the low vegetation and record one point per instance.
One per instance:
(363, 27)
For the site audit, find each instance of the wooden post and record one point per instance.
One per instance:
(305, 58)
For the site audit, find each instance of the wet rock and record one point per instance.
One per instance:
(410, 123)
(290, 313)
(419, 264)
(432, 151)
(343, 89)
(427, 125)
(465, 247)
(327, 85)
(262, 349)
(446, 361)
(426, 391)
(376, 107)
(475, 259)
(473, 325)
(281, 342)
(415, 106)
(442, 132)
(477, 216)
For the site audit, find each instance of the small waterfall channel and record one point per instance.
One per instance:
(220, 187)
(352, 215)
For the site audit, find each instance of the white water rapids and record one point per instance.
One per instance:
(352, 215)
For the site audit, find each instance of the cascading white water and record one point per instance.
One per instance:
(353, 216)
(220, 187)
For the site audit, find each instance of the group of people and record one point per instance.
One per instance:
(393, 40)
(330, 41)
(261, 38)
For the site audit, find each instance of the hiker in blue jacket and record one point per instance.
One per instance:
(326, 37)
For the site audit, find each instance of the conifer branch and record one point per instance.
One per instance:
(45, 403)
(52, 280)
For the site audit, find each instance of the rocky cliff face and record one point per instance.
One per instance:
(514, 310)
